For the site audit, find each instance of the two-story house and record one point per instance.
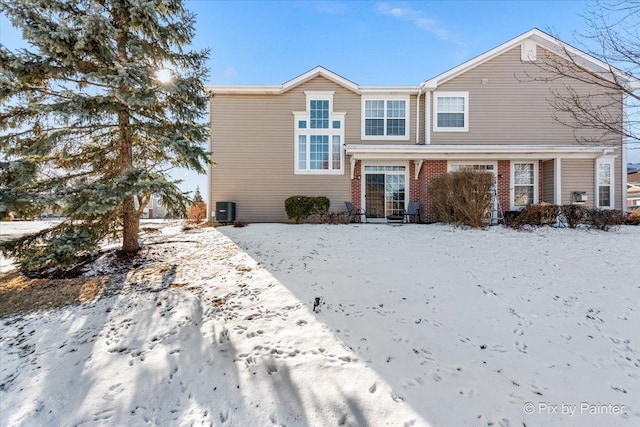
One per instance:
(320, 134)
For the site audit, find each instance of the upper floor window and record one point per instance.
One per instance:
(451, 112)
(318, 147)
(319, 113)
(604, 171)
(385, 118)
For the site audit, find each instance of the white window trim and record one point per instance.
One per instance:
(386, 98)
(308, 131)
(512, 183)
(363, 189)
(611, 161)
(437, 95)
(472, 162)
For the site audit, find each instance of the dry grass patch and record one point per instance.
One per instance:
(22, 294)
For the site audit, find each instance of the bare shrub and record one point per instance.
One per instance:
(536, 215)
(633, 218)
(336, 218)
(197, 213)
(511, 219)
(605, 219)
(462, 197)
(573, 214)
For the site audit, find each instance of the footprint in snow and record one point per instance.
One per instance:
(522, 347)
(343, 420)
(373, 388)
(397, 398)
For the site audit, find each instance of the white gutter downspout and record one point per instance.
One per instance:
(624, 154)
(420, 88)
(209, 201)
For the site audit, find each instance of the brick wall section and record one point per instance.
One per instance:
(430, 169)
(414, 184)
(504, 188)
(356, 187)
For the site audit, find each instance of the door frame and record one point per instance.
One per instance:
(363, 180)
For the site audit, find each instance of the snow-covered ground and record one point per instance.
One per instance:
(419, 325)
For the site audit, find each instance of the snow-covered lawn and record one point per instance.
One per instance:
(419, 325)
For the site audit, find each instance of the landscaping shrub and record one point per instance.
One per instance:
(320, 206)
(605, 219)
(299, 208)
(573, 214)
(197, 213)
(335, 218)
(511, 219)
(462, 197)
(633, 218)
(534, 215)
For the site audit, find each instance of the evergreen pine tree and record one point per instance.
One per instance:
(197, 197)
(87, 125)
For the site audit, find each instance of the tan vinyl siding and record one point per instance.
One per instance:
(578, 175)
(548, 195)
(252, 140)
(509, 108)
(617, 183)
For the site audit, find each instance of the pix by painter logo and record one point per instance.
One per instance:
(583, 408)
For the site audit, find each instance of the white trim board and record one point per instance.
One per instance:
(304, 77)
(432, 152)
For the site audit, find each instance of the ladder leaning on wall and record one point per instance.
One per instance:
(496, 216)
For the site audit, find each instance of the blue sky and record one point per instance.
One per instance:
(367, 42)
(370, 43)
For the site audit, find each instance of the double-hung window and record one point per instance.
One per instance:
(451, 112)
(604, 177)
(319, 136)
(385, 118)
(524, 181)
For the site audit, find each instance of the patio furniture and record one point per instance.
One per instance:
(413, 210)
(396, 218)
(355, 213)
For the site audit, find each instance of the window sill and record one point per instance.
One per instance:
(319, 172)
(384, 138)
(450, 129)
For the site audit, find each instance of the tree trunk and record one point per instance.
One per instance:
(130, 226)
(130, 218)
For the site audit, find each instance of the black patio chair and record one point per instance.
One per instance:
(355, 213)
(413, 210)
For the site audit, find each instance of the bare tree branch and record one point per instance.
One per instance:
(602, 104)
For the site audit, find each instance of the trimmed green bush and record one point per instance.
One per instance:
(299, 208)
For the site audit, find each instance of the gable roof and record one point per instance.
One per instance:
(303, 78)
(320, 71)
(543, 39)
